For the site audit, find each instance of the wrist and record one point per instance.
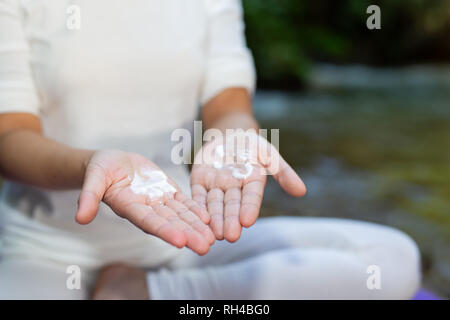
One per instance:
(236, 120)
(83, 159)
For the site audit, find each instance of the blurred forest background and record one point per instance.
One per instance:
(288, 36)
(364, 115)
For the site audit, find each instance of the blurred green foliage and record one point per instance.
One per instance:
(286, 36)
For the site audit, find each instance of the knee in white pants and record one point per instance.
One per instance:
(334, 266)
(400, 268)
(322, 273)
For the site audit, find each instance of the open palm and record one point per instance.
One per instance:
(232, 194)
(173, 217)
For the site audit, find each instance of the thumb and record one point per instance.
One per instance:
(290, 181)
(283, 173)
(92, 192)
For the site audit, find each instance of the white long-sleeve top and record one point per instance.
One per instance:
(109, 74)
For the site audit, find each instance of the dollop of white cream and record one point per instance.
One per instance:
(220, 151)
(152, 183)
(238, 174)
(236, 168)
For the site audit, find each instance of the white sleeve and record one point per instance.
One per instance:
(229, 61)
(17, 89)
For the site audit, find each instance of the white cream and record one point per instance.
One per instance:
(152, 183)
(238, 174)
(218, 165)
(236, 168)
(220, 151)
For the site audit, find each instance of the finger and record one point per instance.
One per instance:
(190, 218)
(252, 195)
(215, 209)
(176, 187)
(146, 219)
(199, 194)
(284, 174)
(194, 240)
(92, 192)
(194, 206)
(232, 226)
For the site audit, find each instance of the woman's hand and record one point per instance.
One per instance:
(228, 178)
(172, 217)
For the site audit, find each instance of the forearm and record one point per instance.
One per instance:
(235, 120)
(28, 157)
(231, 109)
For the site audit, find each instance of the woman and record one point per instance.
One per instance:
(90, 107)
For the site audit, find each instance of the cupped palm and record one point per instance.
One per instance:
(173, 217)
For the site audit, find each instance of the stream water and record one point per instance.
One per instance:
(371, 145)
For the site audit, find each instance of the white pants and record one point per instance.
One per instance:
(277, 258)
